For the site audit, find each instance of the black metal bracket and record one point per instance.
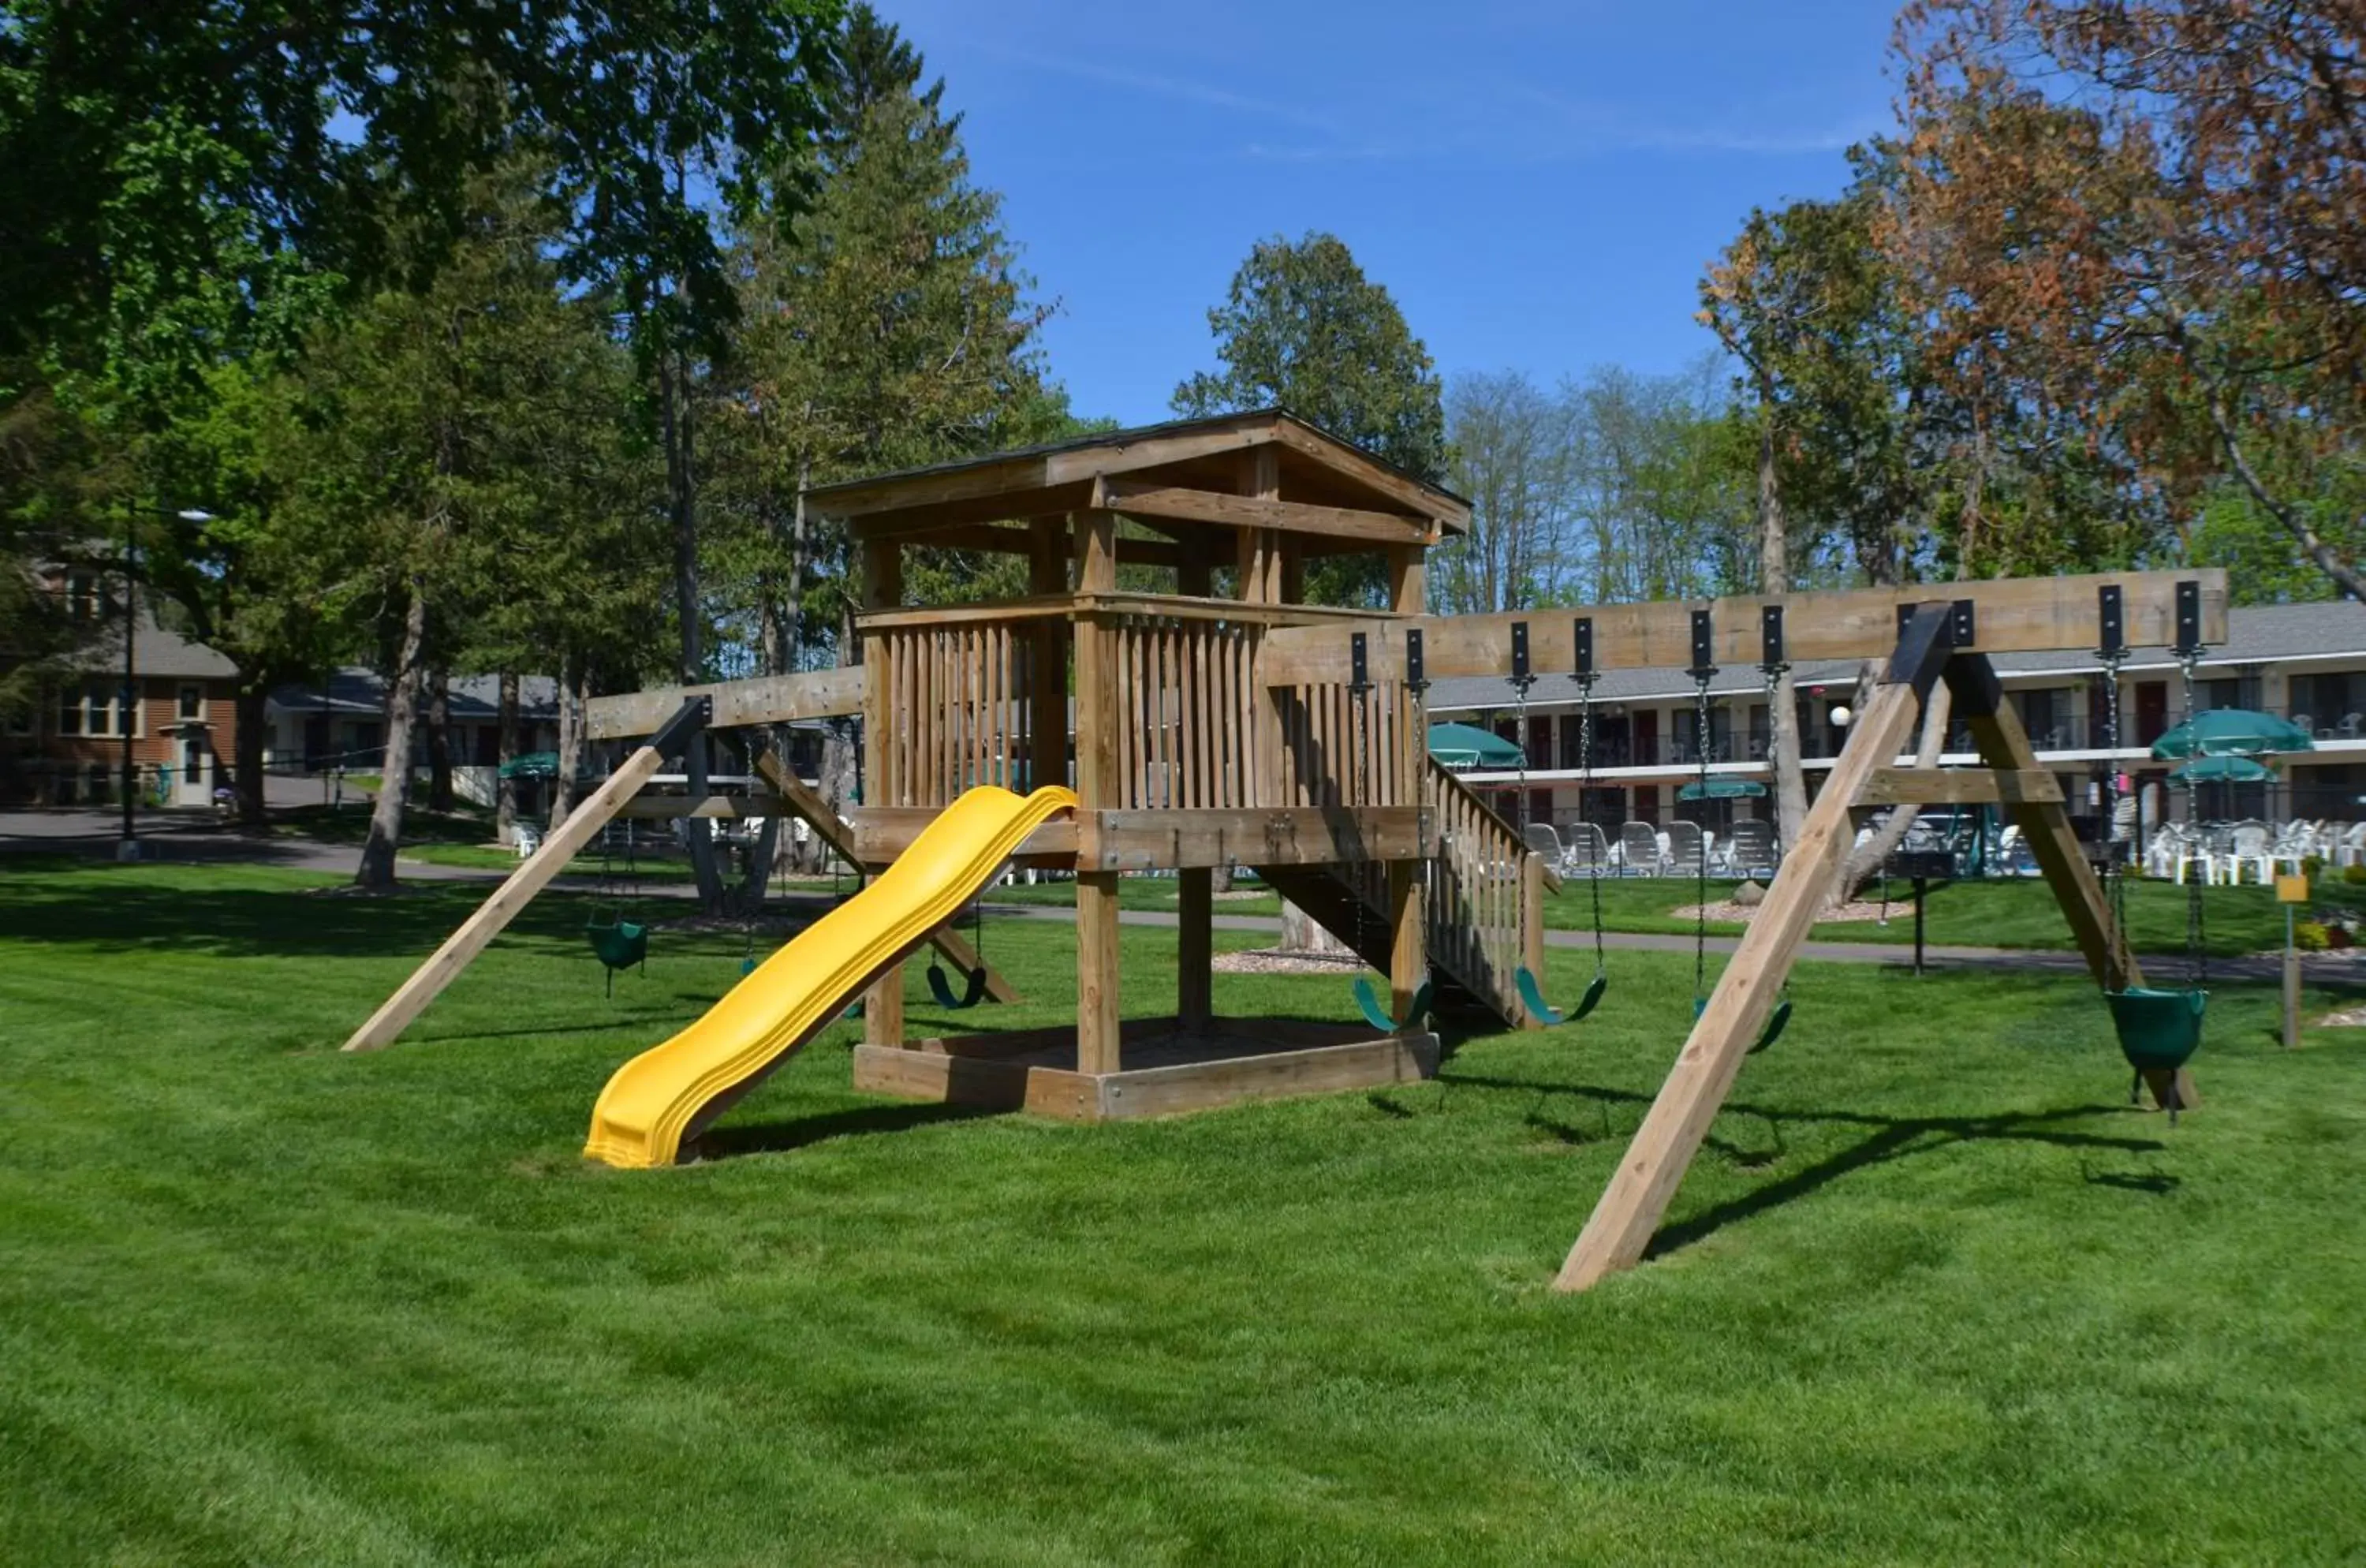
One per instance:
(1967, 625)
(2111, 620)
(689, 721)
(1770, 638)
(1521, 675)
(1582, 641)
(1704, 646)
(1359, 662)
(1416, 672)
(2189, 619)
(1922, 646)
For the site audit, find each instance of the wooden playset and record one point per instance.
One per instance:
(1254, 730)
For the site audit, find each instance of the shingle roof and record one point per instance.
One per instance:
(356, 689)
(156, 651)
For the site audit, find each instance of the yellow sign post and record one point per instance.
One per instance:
(2290, 891)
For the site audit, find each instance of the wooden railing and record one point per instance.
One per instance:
(1343, 747)
(1477, 927)
(951, 708)
(1187, 707)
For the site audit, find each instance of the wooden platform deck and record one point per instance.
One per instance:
(1168, 1069)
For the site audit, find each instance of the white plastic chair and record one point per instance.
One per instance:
(2194, 850)
(1586, 853)
(2349, 849)
(1749, 848)
(1687, 849)
(2248, 846)
(1639, 850)
(1540, 838)
(525, 840)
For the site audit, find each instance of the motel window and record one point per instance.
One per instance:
(193, 702)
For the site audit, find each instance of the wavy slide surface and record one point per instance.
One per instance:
(665, 1094)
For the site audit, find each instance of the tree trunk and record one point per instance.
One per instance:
(1300, 932)
(682, 506)
(1775, 577)
(505, 787)
(376, 870)
(252, 690)
(570, 737)
(439, 739)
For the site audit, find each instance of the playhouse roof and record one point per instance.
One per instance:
(1181, 474)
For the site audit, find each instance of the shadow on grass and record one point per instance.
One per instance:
(1894, 1138)
(1891, 1138)
(781, 1137)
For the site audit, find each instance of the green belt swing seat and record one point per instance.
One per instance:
(1368, 1002)
(619, 944)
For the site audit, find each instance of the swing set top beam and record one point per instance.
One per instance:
(2008, 615)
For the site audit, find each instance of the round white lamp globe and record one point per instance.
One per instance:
(1841, 716)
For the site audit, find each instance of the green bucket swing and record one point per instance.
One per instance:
(2159, 1030)
(617, 939)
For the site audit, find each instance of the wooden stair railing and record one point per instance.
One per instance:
(1473, 914)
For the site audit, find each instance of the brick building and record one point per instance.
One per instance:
(182, 711)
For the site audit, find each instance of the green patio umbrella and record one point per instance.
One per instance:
(2221, 770)
(1721, 787)
(2232, 732)
(532, 765)
(1467, 745)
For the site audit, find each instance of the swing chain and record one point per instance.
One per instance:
(1700, 911)
(2114, 859)
(2197, 943)
(1584, 801)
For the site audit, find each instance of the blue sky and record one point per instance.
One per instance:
(1537, 184)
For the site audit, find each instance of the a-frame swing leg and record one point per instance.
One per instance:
(460, 949)
(1654, 1165)
(2004, 746)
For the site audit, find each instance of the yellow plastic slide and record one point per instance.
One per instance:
(664, 1095)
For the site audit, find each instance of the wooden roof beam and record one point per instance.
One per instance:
(1134, 499)
(1408, 493)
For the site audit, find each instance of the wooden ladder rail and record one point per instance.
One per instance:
(798, 797)
(460, 949)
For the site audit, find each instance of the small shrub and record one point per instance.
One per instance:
(2310, 865)
(2310, 937)
(2354, 875)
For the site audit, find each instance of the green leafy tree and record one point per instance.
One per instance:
(424, 453)
(1304, 328)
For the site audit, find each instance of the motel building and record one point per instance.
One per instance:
(2306, 662)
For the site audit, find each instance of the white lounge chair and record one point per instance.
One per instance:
(1639, 850)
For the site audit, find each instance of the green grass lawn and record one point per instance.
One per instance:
(1931, 1294)
(2002, 912)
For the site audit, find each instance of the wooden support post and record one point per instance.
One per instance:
(2003, 745)
(1047, 693)
(1097, 1010)
(1671, 1132)
(1095, 552)
(883, 1009)
(882, 589)
(1408, 957)
(1408, 580)
(1260, 547)
(1532, 925)
(1097, 788)
(1195, 948)
(427, 982)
